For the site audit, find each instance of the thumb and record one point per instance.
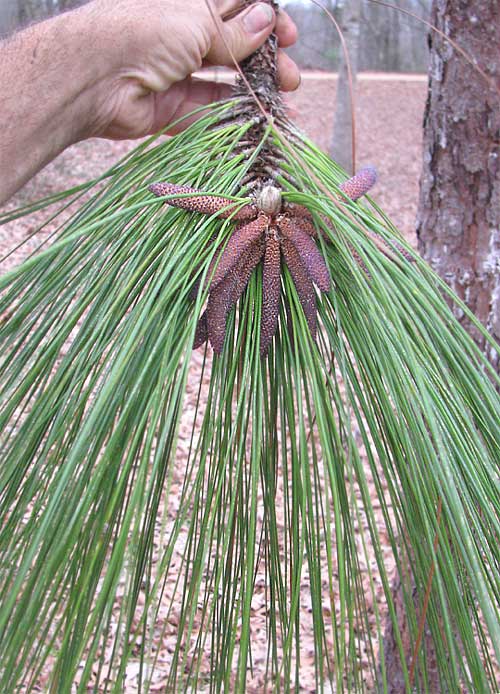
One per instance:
(241, 35)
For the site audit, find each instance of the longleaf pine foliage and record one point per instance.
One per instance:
(306, 472)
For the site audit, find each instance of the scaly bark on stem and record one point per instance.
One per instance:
(261, 74)
(459, 214)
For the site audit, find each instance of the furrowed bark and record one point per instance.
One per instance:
(395, 679)
(459, 214)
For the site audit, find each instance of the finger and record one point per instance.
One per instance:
(239, 37)
(228, 7)
(182, 98)
(288, 73)
(285, 30)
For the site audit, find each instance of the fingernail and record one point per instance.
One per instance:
(258, 18)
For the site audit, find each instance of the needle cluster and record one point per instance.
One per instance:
(270, 231)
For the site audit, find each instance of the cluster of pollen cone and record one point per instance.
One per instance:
(268, 231)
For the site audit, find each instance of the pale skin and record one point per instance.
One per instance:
(119, 69)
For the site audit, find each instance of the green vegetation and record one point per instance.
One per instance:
(95, 351)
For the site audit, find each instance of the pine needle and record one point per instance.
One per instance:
(282, 451)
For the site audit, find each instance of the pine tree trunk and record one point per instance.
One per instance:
(459, 214)
(341, 150)
(395, 678)
(31, 11)
(458, 223)
(9, 17)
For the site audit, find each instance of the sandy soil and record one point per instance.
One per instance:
(389, 120)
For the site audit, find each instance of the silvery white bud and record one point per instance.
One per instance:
(269, 200)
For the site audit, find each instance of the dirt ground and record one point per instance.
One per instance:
(389, 125)
(389, 117)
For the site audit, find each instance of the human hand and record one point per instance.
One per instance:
(161, 43)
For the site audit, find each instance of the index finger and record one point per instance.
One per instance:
(285, 29)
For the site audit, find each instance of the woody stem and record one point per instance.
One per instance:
(260, 70)
(261, 75)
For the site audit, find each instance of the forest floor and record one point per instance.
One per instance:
(389, 135)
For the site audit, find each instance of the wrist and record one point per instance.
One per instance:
(75, 58)
(91, 58)
(119, 33)
(56, 79)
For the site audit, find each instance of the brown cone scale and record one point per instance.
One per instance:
(271, 288)
(261, 232)
(360, 184)
(303, 284)
(241, 239)
(223, 297)
(200, 202)
(201, 332)
(310, 256)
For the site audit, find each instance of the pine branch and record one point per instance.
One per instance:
(140, 509)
